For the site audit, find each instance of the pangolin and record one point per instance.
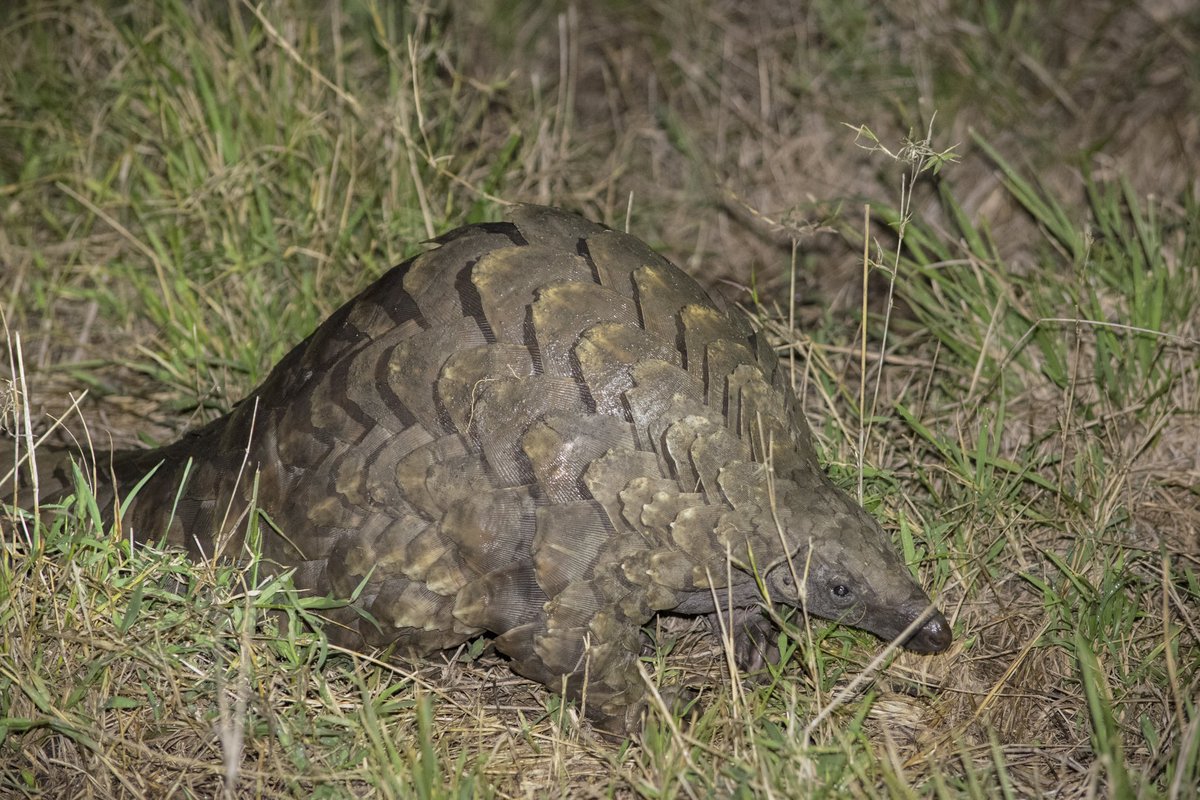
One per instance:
(542, 431)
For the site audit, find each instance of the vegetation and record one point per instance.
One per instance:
(974, 228)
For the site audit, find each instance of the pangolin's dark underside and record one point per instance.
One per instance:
(541, 430)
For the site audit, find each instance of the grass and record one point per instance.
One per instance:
(187, 193)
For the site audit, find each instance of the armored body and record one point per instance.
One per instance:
(543, 431)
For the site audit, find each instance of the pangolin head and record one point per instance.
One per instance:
(842, 567)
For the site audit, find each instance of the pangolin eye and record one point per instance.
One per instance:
(841, 590)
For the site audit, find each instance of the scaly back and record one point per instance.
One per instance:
(540, 429)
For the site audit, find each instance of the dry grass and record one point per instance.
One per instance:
(187, 190)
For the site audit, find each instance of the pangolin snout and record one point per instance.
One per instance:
(932, 637)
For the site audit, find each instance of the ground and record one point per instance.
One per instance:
(973, 227)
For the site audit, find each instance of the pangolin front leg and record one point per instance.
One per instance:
(754, 637)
